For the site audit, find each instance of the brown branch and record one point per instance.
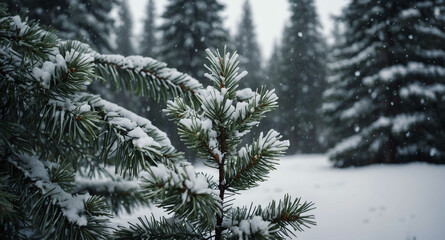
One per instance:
(221, 186)
(256, 110)
(252, 163)
(204, 144)
(286, 218)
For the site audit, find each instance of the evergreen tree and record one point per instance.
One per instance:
(303, 78)
(124, 31)
(274, 67)
(214, 127)
(247, 47)
(273, 74)
(386, 99)
(190, 27)
(329, 136)
(86, 20)
(148, 44)
(56, 139)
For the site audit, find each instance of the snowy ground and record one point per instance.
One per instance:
(394, 202)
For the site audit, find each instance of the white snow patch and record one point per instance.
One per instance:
(381, 201)
(251, 226)
(245, 93)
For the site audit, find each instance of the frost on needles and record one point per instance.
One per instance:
(200, 205)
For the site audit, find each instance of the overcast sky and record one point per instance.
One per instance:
(270, 17)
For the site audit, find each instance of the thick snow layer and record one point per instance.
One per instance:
(136, 125)
(254, 225)
(72, 206)
(375, 202)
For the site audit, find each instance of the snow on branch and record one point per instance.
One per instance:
(73, 207)
(133, 123)
(144, 75)
(362, 56)
(196, 130)
(431, 91)
(216, 105)
(148, 143)
(106, 185)
(121, 195)
(26, 37)
(58, 68)
(397, 124)
(287, 214)
(253, 163)
(177, 188)
(247, 227)
(248, 114)
(139, 143)
(276, 221)
(244, 94)
(389, 74)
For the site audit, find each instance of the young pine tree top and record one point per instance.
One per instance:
(213, 127)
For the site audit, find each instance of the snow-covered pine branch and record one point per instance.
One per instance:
(276, 221)
(48, 194)
(129, 142)
(121, 195)
(189, 196)
(47, 114)
(253, 163)
(145, 76)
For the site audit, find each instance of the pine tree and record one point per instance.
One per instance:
(124, 31)
(303, 77)
(273, 74)
(148, 44)
(56, 139)
(190, 27)
(274, 67)
(386, 99)
(330, 136)
(213, 127)
(247, 47)
(86, 20)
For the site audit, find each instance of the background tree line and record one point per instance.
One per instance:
(376, 95)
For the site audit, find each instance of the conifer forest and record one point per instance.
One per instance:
(222, 119)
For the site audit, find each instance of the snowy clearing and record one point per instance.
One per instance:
(394, 202)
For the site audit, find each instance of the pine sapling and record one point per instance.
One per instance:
(213, 126)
